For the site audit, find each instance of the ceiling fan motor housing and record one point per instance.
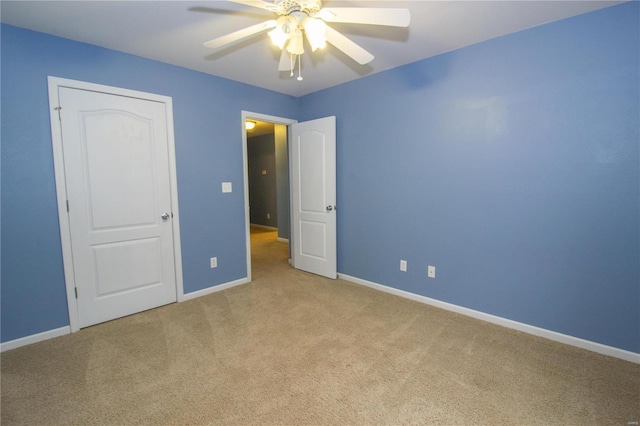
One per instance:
(296, 17)
(286, 7)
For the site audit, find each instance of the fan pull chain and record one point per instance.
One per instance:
(291, 59)
(299, 69)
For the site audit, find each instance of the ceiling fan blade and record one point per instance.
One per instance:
(260, 4)
(365, 15)
(241, 34)
(285, 61)
(356, 52)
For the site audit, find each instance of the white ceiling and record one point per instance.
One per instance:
(173, 32)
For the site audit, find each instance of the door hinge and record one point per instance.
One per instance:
(59, 109)
(76, 289)
(67, 206)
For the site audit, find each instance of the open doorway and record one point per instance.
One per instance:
(267, 192)
(312, 194)
(268, 177)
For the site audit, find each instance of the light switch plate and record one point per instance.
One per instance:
(226, 187)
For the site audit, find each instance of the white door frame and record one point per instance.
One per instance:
(61, 188)
(248, 115)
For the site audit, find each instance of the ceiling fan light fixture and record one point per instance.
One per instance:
(278, 37)
(285, 28)
(316, 30)
(296, 45)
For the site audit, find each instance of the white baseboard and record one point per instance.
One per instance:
(50, 334)
(526, 328)
(283, 240)
(215, 289)
(34, 338)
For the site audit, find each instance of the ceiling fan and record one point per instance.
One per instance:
(300, 19)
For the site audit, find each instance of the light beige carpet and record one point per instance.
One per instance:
(293, 348)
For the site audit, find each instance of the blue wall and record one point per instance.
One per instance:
(208, 141)
(512, 166)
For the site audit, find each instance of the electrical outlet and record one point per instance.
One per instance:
(213, 262)
(268, 215)
(403, 265)
(431, 271)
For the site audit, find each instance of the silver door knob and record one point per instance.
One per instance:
(165, 216)
(329, 208)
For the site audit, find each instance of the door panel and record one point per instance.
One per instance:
(313, 239)
(126, 265)
(118, 187)
(313, 192)
(120, 152)
(313, 163)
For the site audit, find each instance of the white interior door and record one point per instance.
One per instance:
(313, 196)
(116, 166)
